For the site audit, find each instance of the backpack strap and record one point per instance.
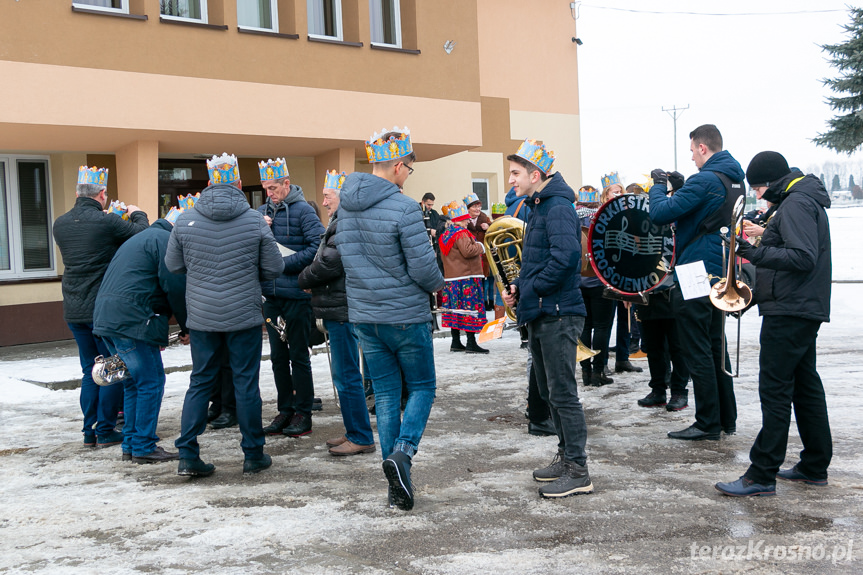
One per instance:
(722, 215)
(518, 209)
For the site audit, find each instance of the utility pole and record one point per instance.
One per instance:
(673, 113)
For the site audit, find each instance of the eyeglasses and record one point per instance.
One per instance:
(410, 169)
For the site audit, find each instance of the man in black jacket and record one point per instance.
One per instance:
(135, 302)
(88, 238)
(793, 270)
(325, 276)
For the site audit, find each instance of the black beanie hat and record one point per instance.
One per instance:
(766, 167)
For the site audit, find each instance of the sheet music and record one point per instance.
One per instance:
(285, 251)
(693, 280)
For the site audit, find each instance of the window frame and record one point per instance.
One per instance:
(204, 19)
(16, 269)
(337, 16)
(487, 183)
(397, 18)
(274, 15)
(124, 9)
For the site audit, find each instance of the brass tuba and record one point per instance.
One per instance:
(108, 370)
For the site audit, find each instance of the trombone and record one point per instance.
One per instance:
(730, 294)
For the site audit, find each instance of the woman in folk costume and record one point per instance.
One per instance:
(462, 270)
(478, 224)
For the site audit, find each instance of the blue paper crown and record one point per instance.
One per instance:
(536, 154)
(186, 202)
(94, 175)
(273, 170)
(173, 214)
(610, 180)
(223, 169)
(119, 208)
(333, 180)
(394, 148)
(459, 212)
(588, 195)
(471, 198)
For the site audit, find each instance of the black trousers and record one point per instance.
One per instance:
(222, 399)
(787, 377)
(597, 326)
(700, 326)
(537, 407)
(665, 356)
(292, 367)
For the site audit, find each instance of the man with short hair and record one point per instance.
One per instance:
(390, 270)
(88, 238)
(693, 202)
(551, 306)
(225, 248)
(298, 231)
(794, 262)
(430, 216)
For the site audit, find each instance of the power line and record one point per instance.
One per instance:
(714, 13)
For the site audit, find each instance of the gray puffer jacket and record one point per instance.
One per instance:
(226, 249)
(390, 265)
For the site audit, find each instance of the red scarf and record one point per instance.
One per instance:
(450, 236)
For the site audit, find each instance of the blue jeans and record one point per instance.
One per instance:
(553, 346)
(244, 351)
(143, 391)
(345, 357)
(100, 405)
(390, 351)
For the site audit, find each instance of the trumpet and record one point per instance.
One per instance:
(112, 369)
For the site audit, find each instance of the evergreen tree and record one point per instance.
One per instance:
(836, 184)
(851, 182)
(846, 130)
(823, 182)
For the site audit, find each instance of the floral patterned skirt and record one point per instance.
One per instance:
(464, 294)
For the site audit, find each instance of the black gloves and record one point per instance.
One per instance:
(676, 180)
(659, 177)
(741, 246)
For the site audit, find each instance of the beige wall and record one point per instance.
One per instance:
(24, 293)
(560, 133)
(450, 178)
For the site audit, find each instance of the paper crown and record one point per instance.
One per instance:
(334, 180)
(173, 214)
(273, 170)
(471, 198)
(498, 208)
(94, 175)
(458, 212)
(119, 208)
(536, 154)
(610, 180)
(588, 195)
(223, 169)
(189, 201)
(444, 209)
(395, 147)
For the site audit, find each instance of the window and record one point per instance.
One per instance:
(26, 247)
(194, 10)
(325, 19)
(106, 5)
(480, 188)
(258, 14)
(385, 17)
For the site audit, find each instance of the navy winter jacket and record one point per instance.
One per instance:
(325, 276)
(512, 202)
(297, 227)
(550, 276)
(701, 195)
(138, 294)
(389, 262)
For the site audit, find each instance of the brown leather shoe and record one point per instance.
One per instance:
(350, 448)
(336, 441)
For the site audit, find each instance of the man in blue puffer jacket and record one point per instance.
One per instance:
(390, 270)
(550, 304)
(298, 230)
(700, 322)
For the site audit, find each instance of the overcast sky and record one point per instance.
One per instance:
(757, 77)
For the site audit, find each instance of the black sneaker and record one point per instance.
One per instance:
(281, 421)
(600, 378)
(397, 468)
(551, 472)
(252, 466)
(317, 404)
(653, 399)
(621, 366)
(575, 480)
(796, 475)
(195, 468)
(543, 428)
(678, 402)
(158, 455)
(300, 425)
(225, 420)
(89, 439)
(113, 438)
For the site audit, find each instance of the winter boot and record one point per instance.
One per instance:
(553, 471)
(472, 346)
(653, 399)
(678, 402)
(574, 480)
(456, 344)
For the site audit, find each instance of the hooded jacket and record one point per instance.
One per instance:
(88, 238)
(701, 195)
(793, 263)
(325, 276)
(138, 294)
(226, 249)
(297, 227)
(512, 202)
(548, 284)
(389, 263)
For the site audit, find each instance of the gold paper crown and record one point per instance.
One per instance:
(94, 175)
(273, 170)
(223, 169)
(395, 147)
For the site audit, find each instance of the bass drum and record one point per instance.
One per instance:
(628, 252)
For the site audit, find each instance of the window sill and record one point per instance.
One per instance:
(242, 30)
(393, 49)
(107, 13)
(31, 280)
(334, 41)
(193, 24)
